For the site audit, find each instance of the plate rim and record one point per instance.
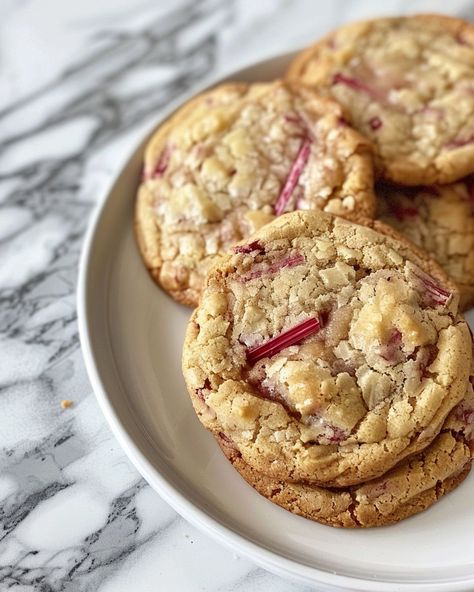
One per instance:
(266, 558)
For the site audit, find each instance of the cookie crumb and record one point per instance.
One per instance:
(66, 403)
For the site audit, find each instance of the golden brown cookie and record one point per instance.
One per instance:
(408, 85)
(413, 486)
(440, 219)
(231, 160)
(325, 350)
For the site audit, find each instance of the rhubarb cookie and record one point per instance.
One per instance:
(408, 84)
(441, 220)
(230, 161)
(409, 488)
(326, 351)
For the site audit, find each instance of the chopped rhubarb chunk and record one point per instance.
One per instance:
(375, 123)
(434, 293)
(292, 118)
(160, 166)
(292, 180)
(336, 434)
(162, 163)
(438, 294)
(200, 391)
(289, 261)
(395, 337)
(286, 339)
(357, 85)
(391, 350)
(329, 432)
(254, 246)
(460, 142)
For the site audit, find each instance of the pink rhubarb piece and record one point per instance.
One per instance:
(290, 261)
(357, 85)
(460, 142)
(286, 339)
(293, 176)
(375, 123)
(435, 293)
(162, 163)
(254, 246)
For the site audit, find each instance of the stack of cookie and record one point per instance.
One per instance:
(327, 353)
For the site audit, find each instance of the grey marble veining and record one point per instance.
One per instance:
(80, 84)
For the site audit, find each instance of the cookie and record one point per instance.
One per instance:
(231, 160)
(327, 351)
(413, 486)
(440, 219)
(408, 84)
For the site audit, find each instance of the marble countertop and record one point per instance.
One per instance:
(79, 83)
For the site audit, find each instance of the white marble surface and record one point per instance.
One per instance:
(79, 83)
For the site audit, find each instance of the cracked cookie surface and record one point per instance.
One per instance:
(440, 219)
(408, 84)
(409, 488)
(231, 160)
(325, 350)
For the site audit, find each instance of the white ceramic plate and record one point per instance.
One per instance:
(131, 335)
